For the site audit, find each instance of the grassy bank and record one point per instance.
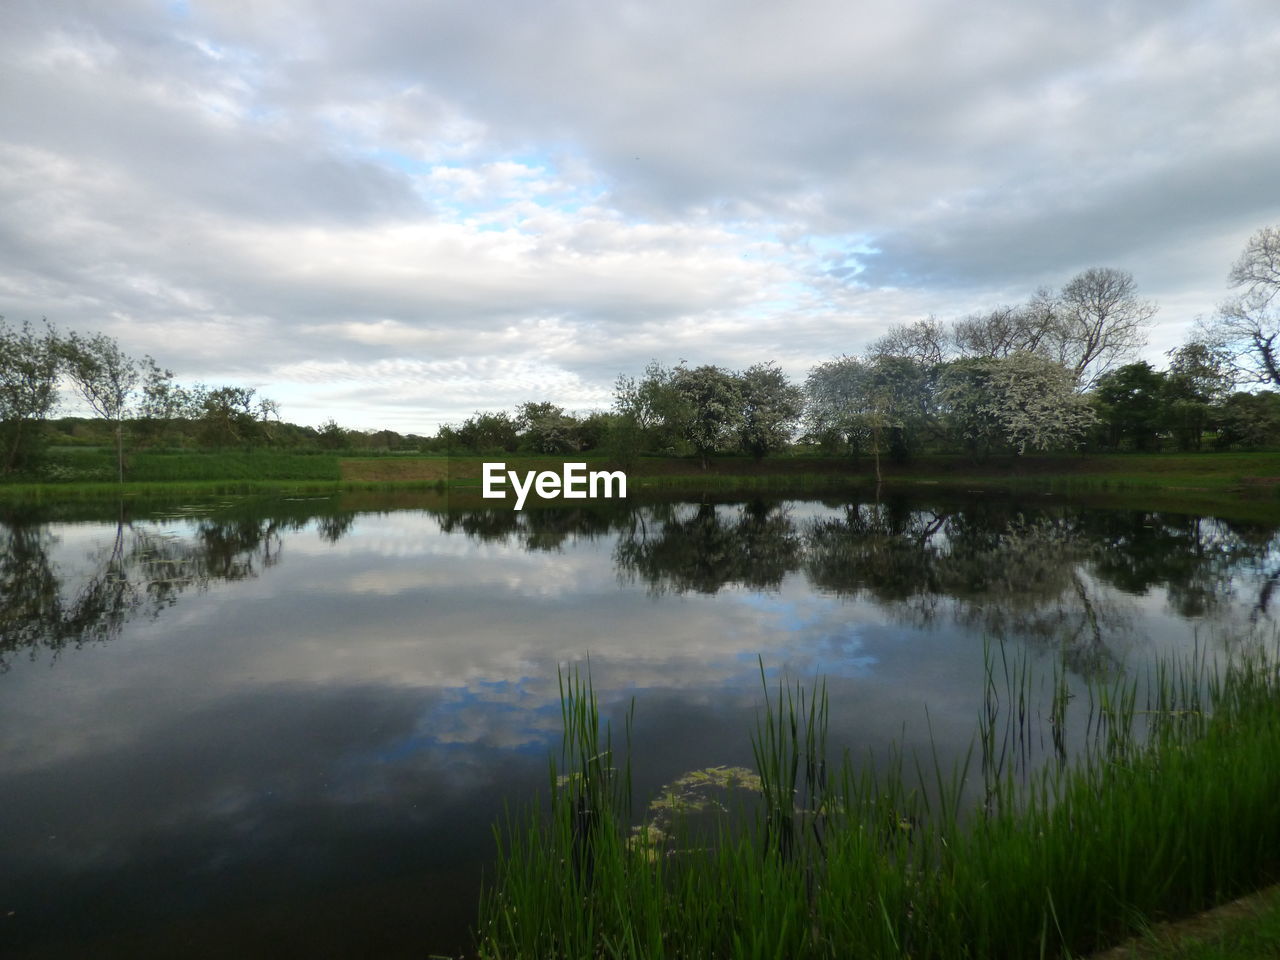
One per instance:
(1239, 485)
(1168, 808)
(1245, 929)
(1207, 483)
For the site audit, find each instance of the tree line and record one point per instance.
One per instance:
(128, 394)
(1052, 373)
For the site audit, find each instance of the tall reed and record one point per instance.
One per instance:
(1142, 814)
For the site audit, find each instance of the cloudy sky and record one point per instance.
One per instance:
(397, 212)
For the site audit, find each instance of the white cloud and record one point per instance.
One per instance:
(272, 192)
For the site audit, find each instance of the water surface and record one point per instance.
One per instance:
(285, 728)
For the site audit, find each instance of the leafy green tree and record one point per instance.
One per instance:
(653, 412)
(330, 436)
(1131, 405)
(593, 429)
(386, 440)
(882, 403)
(28, 392)
(106, 378)
(623, 440)
(484, 432)
(771, 408)
(163, 405)
(1199, 379)
(681, 408)
(1250, 420)
(546, 428)
(231, 416)
(1203, 370)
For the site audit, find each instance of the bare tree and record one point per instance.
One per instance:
(1248, 325)
(1258, 269)
(1007, 330)
(991, 334)
(1101, 320)
(925, 341)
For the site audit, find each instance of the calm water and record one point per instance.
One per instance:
(286, 729)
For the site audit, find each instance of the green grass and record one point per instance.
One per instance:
(1168, 807)
(1247, 929)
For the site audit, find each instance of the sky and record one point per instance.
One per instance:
(396, 213)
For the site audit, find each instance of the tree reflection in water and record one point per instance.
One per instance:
(1062, 578)
(701, 549)
(139, 572)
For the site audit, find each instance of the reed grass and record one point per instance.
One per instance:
(1164, 802)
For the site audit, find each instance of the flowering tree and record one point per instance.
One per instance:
(710, 403)
(771, 406)
(1024, 401)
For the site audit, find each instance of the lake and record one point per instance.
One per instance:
(287, 727)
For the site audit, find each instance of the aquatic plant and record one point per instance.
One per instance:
(1153, 812)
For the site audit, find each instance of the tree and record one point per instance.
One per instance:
(652, 411)
(623, 439)
(1247, 324)
(105, 377)
(231, 416)
(330, 436)
(1132, 405)
(1203, 370)
(163, 402)
(771, 407)
(1199, 379)
(1021, 401)
(593, 429)
(882, 402)
(709, 407)
(1258, 268)
(28, 392)
(546, 428)
(925, 341)
(1250, 420)
(1027, 328)
(487, 431)
(1101, 320)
